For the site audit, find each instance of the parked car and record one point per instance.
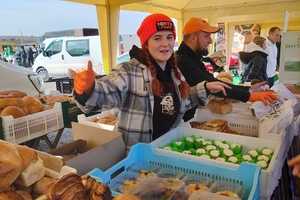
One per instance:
(14, 77)
(65, 52)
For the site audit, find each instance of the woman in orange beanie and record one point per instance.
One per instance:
(149, 90)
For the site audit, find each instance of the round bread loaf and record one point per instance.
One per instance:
(32, 105)
(14, 111)
(10, 165)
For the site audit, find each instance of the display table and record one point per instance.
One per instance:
(287, 188)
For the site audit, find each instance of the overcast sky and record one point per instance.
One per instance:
(35, 17)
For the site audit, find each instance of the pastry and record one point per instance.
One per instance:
(126, 197)
(220, 106)
(228, 194)
(194, 187)
(14, 111)
(32, 105)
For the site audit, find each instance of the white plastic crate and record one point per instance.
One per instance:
(269, 176)
(90, 121)
(245, 123)
(32, 126)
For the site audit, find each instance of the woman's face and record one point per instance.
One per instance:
(161, 45)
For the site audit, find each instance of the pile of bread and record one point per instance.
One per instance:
(217, 125)
(18, 104)
(23, 176)
(109, 119)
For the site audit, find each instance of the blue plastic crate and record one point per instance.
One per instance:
(144, 156)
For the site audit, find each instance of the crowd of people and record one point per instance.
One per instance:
(24, 56)
(260, 57)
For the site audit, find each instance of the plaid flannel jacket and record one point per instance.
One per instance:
(128, 88)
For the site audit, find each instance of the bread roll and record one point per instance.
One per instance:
(42, 186)
(14, 111)
(4, 102)
(12, 94)
(25, 195)
(10, 164)
(225, 76)
(32, 105)
(33, 173)
(10, 196)
(27, 155)
(218, 106)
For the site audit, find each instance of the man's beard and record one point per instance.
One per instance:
(202, 52)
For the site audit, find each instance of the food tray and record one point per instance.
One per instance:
(26, 128)
(143, 156)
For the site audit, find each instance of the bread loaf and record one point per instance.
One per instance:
(43, 185)
(10, 196)
(220, 106)
(27, 155)
(32, 105)
(225, 76)
(14, 111)
(33, 173)
(10, 102)
(25, 195)
(10, 164)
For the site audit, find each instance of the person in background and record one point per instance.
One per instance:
(248, 37)
(23, 57)
(149, 90)
(255, 60)
(196, 39)
(30, 57)
(273, 38)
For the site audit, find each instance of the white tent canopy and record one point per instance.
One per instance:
(230, 12)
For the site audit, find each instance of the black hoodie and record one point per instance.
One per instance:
(256, 61)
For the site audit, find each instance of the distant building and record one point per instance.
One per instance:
(72, 32)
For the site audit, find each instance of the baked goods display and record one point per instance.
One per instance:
(222, 151)
(158, 186)
(107, 119)
(220, 105)
(225, 76)
(52, 99)
(17, 104)
(12, 94)
(217, 125)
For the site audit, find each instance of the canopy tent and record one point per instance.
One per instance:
(230, 12)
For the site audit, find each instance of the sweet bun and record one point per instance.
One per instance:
(32, 105)
(228, 194)
(42, 186)
(10, 165)
(14, 111)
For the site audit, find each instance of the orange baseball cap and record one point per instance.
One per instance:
(196, 24)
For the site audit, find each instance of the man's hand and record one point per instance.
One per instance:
(84, 79)
(217, 86)
(295, 164)
(267, 97)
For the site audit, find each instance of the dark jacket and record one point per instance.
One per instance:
(256, 64)
(191, 65)
(193, 69)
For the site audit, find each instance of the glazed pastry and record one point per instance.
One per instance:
(228, 194)
(194, 187)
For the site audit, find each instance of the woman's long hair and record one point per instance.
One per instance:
(157, 86)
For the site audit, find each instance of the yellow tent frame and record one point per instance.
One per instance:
(231, 12)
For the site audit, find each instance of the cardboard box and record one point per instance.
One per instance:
(105, 148)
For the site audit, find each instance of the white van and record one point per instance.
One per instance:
(14, 77)
(68, 52)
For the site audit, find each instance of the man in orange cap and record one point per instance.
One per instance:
(196, 39)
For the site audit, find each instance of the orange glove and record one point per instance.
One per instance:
(266, 97)
(84, 79)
